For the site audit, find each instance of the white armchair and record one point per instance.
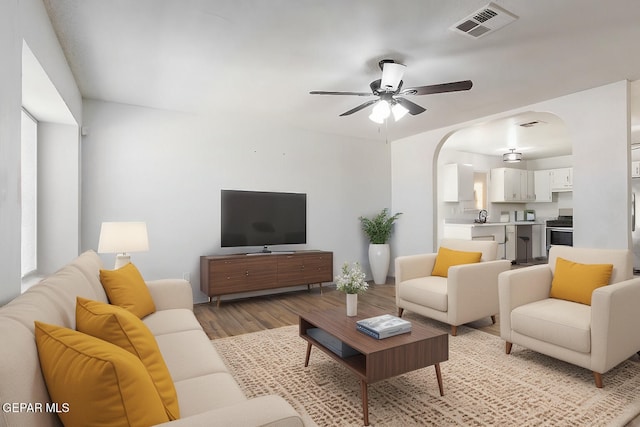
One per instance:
(469, 293)
(596, 337)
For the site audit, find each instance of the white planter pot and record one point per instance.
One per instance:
(379, 262)
(352, 305)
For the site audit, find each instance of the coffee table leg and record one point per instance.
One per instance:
(365, 402)
(439, 376)
(306, 360)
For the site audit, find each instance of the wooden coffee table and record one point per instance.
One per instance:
(377, 359)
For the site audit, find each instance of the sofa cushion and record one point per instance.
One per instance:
(189, 354)
(206, 392)
(121, 327)
(20, 375)
(170, 321)
(430, 291)
(101, 383)
(125, 287)
(576, 282)
(448, 258)
(563, 323)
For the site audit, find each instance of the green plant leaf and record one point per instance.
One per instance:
(378, 229)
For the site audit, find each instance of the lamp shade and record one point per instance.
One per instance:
(399, 111)
(123, 237)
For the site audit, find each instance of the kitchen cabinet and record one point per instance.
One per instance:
(512, 185)
(458, 182)
(542, 180)
(562, 180)
(635, 169)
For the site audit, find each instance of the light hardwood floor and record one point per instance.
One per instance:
(255, 314)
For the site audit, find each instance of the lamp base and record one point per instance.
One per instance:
(122, 260)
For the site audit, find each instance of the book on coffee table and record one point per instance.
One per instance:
(384, 326)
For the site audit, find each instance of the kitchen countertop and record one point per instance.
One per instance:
(492, 224)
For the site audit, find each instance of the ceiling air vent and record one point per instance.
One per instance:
(484, 21)
(532, 123)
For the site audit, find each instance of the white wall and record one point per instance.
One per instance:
(58, 196)
(10, 83)
(598, 124)
(168, 168)
(23, 20)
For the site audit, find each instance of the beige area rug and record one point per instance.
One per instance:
(483, 386)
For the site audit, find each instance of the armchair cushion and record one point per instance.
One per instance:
(576, 282)
(430, 291)
(555, 321)
(448, 257)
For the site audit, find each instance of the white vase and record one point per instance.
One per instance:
(352, 305)
(379, 261)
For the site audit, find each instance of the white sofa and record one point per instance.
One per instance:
(597, 337)
(468, 294)
(207, 393)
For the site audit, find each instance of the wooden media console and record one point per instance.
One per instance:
(231, 274)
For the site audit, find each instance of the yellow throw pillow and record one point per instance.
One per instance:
(121, 327)
(576, 282)
(100, 383)
(448, 258)
(126, 288)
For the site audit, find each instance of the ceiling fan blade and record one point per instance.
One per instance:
(413, 108)
(359, 107)
(323, 92)
(439, 88)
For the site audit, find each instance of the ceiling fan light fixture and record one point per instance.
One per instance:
(512, 156)
(399, 111)
(376, 119)
(380, 111)
(391, 75)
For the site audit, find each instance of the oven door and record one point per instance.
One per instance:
(559, 236)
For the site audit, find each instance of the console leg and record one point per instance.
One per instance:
(219, 301)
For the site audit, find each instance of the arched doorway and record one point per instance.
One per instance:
(465, 160)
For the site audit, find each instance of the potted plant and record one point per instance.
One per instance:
(351, 281)
(378, 230)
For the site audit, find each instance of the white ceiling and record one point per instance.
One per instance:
(256, 58)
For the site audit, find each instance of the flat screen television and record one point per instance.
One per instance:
(261, 218)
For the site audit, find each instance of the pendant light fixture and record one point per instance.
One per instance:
(512, 156)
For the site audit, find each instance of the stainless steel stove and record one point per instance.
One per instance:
(560, 231)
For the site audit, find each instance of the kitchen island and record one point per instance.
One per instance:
(518, 241)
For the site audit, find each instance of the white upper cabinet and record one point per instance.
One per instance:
(512, 185)
(562, 179)
(543, 185)
(458, 182)
(635, 169)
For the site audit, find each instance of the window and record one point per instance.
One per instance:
(29, 193)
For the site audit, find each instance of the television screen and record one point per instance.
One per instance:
(259, 218)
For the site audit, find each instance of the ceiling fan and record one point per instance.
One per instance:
(389, 91)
